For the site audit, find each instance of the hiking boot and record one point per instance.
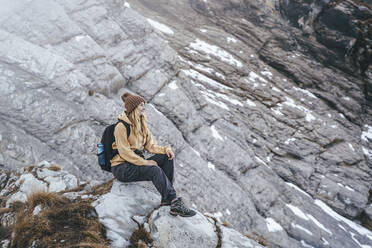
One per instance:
(179, 208)
(165, 203)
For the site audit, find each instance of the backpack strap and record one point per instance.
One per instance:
(127, 126)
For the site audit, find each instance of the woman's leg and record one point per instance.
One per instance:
(128, 172)
(166, 165)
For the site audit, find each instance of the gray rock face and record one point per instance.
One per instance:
(259, 110)
(172, 231)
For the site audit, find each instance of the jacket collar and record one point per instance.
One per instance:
(123, 116)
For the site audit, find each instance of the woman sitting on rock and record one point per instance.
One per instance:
(131, 166)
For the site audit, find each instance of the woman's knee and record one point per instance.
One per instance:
(155, 170)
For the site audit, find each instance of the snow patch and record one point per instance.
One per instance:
(216, 134)
(367, 152)
(319, 224)
(253, 76)
(200, 77)
(276, 89)
(297, 211)
(197, 153)
(173, 85)
(356, 241)
(277, 111)
(351, 147)
(306, 92)
(37, 210)
(216, 51)
(211, 166)
(289, 140)
(161, 27)
(361, 230)
(325, 242)
(367, 135)
(231, 39)
(203, 30)
(298, 189)
(290, 102)
(304, 244)
(273, 226)
(267, 74)
(219, 104)
(302, 229)
(250, 103)
(79, 37)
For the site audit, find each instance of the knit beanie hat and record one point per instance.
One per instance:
(131, 101)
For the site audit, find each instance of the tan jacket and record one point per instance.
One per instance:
(126, 146)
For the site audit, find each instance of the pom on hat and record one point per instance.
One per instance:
(131, 101)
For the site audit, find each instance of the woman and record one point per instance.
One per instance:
(131, 166)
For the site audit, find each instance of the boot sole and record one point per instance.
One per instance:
(183, 215)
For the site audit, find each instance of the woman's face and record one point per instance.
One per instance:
(141, 108)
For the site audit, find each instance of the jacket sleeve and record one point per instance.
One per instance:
(152, 146)
(123, 145)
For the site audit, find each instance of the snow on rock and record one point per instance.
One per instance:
(267, 74)
(290, 102)
(273, 226)
(211, 166)
(161, 27)
(253, 76)
(231, 39)
(215, 51)
(173, 85)
(116, 208)
(216, 134)
(306, 92)
(250, 103)
(299, 227)
(297, 211)
(367, 135)
(200, 77)
(298, 189)
(361, 230)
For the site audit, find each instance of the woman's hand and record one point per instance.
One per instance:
(151, 163)
(170, 154)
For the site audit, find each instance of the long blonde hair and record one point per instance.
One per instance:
(139, 122)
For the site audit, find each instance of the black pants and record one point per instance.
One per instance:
(162, 176)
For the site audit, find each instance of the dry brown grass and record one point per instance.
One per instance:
(54, 168)
(5, 210)
(102, 188)
(61, 223)
(45, 199)
(226, 224)
(30, 168)
(259, 239)
(89, 245)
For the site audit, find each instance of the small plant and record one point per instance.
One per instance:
(259, 239)
(226, 224)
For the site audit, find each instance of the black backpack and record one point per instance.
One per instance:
(105, 152)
